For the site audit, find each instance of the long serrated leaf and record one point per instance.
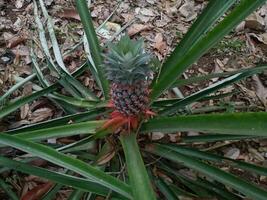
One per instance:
(53, 38)
(197, 79)
(67, 162)
(38, 70)
(180, 64)
(140, 183)
(67, 81)
(52, 193)
(76, 194)
(16, 86)
(165, 190)
(20, 102)
(75, 118)
(79, 102)
(216, 158)
(210, 89)
(6, 188)
(240, 185)
(93, 44)
(216, 137)
(228, 123)
(214, 10)
(50, 63)
(79, 183)
(61, 131)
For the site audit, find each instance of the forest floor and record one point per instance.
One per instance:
(161, 24)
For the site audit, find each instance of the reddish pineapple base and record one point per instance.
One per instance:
(119, 120)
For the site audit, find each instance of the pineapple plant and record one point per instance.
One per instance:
(127, 68)
(134, 166)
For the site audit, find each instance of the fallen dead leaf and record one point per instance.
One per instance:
(41, 114)
(160, 44)
(109, 29)
(232, 153)
(24, 110)
(127, 17)
(69, 13)
(16, 40)
(240, 27)
(171, 7)
(21, 50)
(261, 91)
(157, 136)
(255, 21)
(144, 15)
(106, 158)
(106, 154)
(255, 154)
(250, 44)
(147, 12)
(37, 192)
(19, 3)
(260, 37)
(187, 10)
(163, 21)
(137, 28)
(19, 124)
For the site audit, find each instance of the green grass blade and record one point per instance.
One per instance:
(76, 194)
(165, 190)
(71, 84)
(75, 118)
(228, 123)
(52, 193)
(79, 102)
(197, 79)
(12, 195)
(81, 88)
(53, 38)
(64, 179)
(196, 184)
(90, 61)
(216, 137)
(170, 102)
(61, 131)
(9, 108)
(67, 162)
(180, 192)
(186, 182)
(83, 143)
(217, 189)
(228, 179)
(173, 71)
(139, 179)
(20, 102)
(206, 91)
(93, 43)
(16, 86)
(38, 70)
(216, 158)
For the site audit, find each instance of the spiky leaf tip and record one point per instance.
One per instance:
(127, 62)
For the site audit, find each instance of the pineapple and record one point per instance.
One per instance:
(127, 67)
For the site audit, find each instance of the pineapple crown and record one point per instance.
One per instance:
(127, 62)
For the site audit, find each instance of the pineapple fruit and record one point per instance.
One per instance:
(127, 68)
